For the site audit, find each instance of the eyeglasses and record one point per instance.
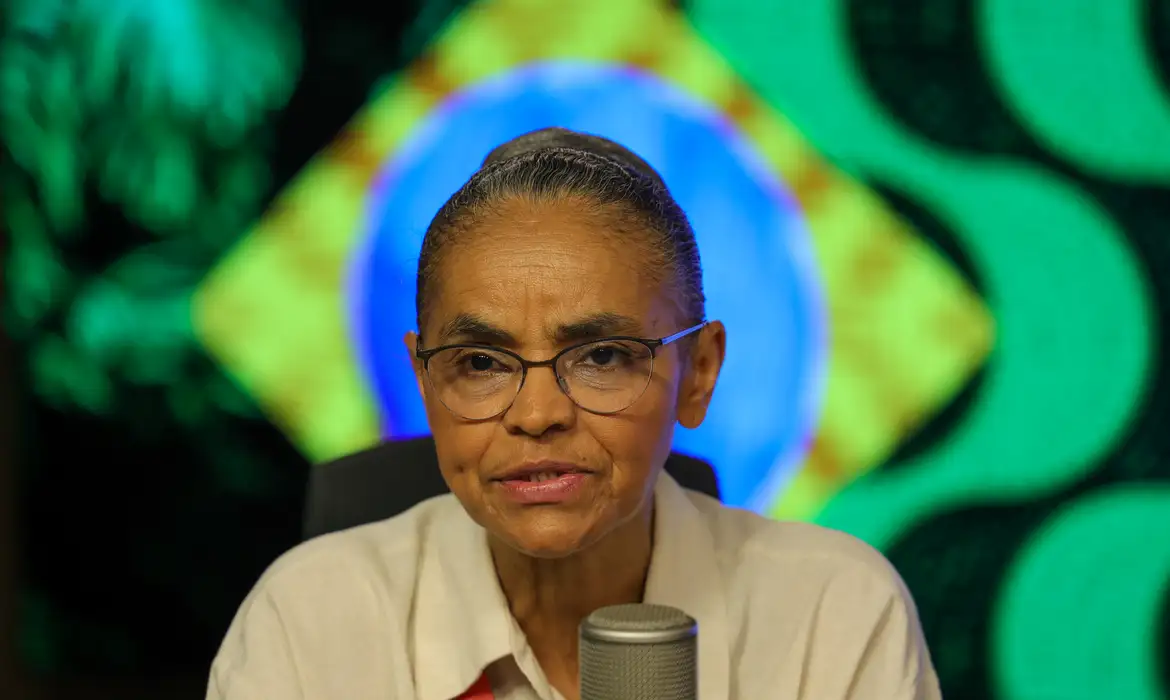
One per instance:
(604, 376)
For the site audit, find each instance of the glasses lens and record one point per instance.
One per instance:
(474, 383)
(607, 376)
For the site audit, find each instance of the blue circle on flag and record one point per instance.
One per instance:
(759, 274)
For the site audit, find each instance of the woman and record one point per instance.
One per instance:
(561, 336)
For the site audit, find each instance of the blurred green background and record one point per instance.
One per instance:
(1027, 140)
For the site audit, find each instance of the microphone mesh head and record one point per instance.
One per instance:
(639, 652)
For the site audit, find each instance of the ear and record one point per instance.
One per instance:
(700, 374)
(411, 342)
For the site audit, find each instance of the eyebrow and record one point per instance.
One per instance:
(598, 326)
(471, 328)
(467, 327)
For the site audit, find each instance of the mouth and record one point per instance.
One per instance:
(539, 472)
(544, 483)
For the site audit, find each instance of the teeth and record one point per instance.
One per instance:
(544, 476)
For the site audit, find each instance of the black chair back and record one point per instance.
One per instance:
(388, 479)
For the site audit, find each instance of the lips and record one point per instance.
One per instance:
(536, 472)
(543, 483)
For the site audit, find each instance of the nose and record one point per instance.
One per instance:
(541, 406)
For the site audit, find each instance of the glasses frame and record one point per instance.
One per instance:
(652, 344)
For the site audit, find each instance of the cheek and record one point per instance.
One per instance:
(460, 447)
(637, 440)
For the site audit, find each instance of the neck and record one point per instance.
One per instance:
(550, 597)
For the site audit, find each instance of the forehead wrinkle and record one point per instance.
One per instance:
(554, 310)
(533, 273)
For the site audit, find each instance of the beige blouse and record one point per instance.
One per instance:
(410, 609)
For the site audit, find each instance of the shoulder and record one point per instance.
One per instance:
(751, 546)
(786, 579)
(380, 559)
(833, 601)
(330, 617)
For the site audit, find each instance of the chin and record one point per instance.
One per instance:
(544, 551)
(544, 537)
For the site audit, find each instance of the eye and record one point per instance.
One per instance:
(603, 355)
(481, 363)
(609, 355)
(472, 362)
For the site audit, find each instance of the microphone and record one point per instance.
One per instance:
(639, 652)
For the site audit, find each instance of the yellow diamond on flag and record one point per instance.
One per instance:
(905, 331)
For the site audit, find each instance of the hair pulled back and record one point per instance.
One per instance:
(553, 164)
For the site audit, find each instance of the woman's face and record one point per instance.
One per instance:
(533, 279)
